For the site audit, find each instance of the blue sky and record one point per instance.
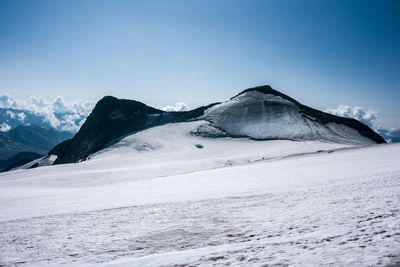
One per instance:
(322, 53)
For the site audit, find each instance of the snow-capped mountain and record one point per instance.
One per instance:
(259, 113)
(111, 119)
(264, 113)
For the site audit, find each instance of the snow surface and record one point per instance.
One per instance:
(165, 197)
(266, 116)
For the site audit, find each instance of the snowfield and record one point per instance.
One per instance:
(166, 197)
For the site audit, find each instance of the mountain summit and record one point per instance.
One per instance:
(264, 113)
(259, 113)
(111, 119)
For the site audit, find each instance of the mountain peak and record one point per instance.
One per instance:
(264, 113)
(112, 118)
(266, 89)
(107, 98)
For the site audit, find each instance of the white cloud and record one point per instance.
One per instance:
(7, 101)
(48, 116)
(59, 105)
(59, 114)
(4, 127)
(71, 122)
(21, 116)
(367, 117)
(36, 103)
(179, 106)
(11, 114)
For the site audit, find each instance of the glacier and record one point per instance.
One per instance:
(169, 196)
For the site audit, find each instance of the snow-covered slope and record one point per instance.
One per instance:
(259, 112)
(165, 196)
(161, 151)
(261, 115)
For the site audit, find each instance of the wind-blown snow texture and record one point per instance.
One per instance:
(165, 196)
(262, 115)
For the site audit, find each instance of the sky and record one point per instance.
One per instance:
(325, 54)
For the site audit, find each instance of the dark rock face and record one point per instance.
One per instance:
(58, 149)
(112, 118)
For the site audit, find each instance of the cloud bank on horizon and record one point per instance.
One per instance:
(367, 117)
(179, 106)
(58, 114)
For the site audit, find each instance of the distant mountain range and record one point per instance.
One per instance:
(27, 133)
(29, 138)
